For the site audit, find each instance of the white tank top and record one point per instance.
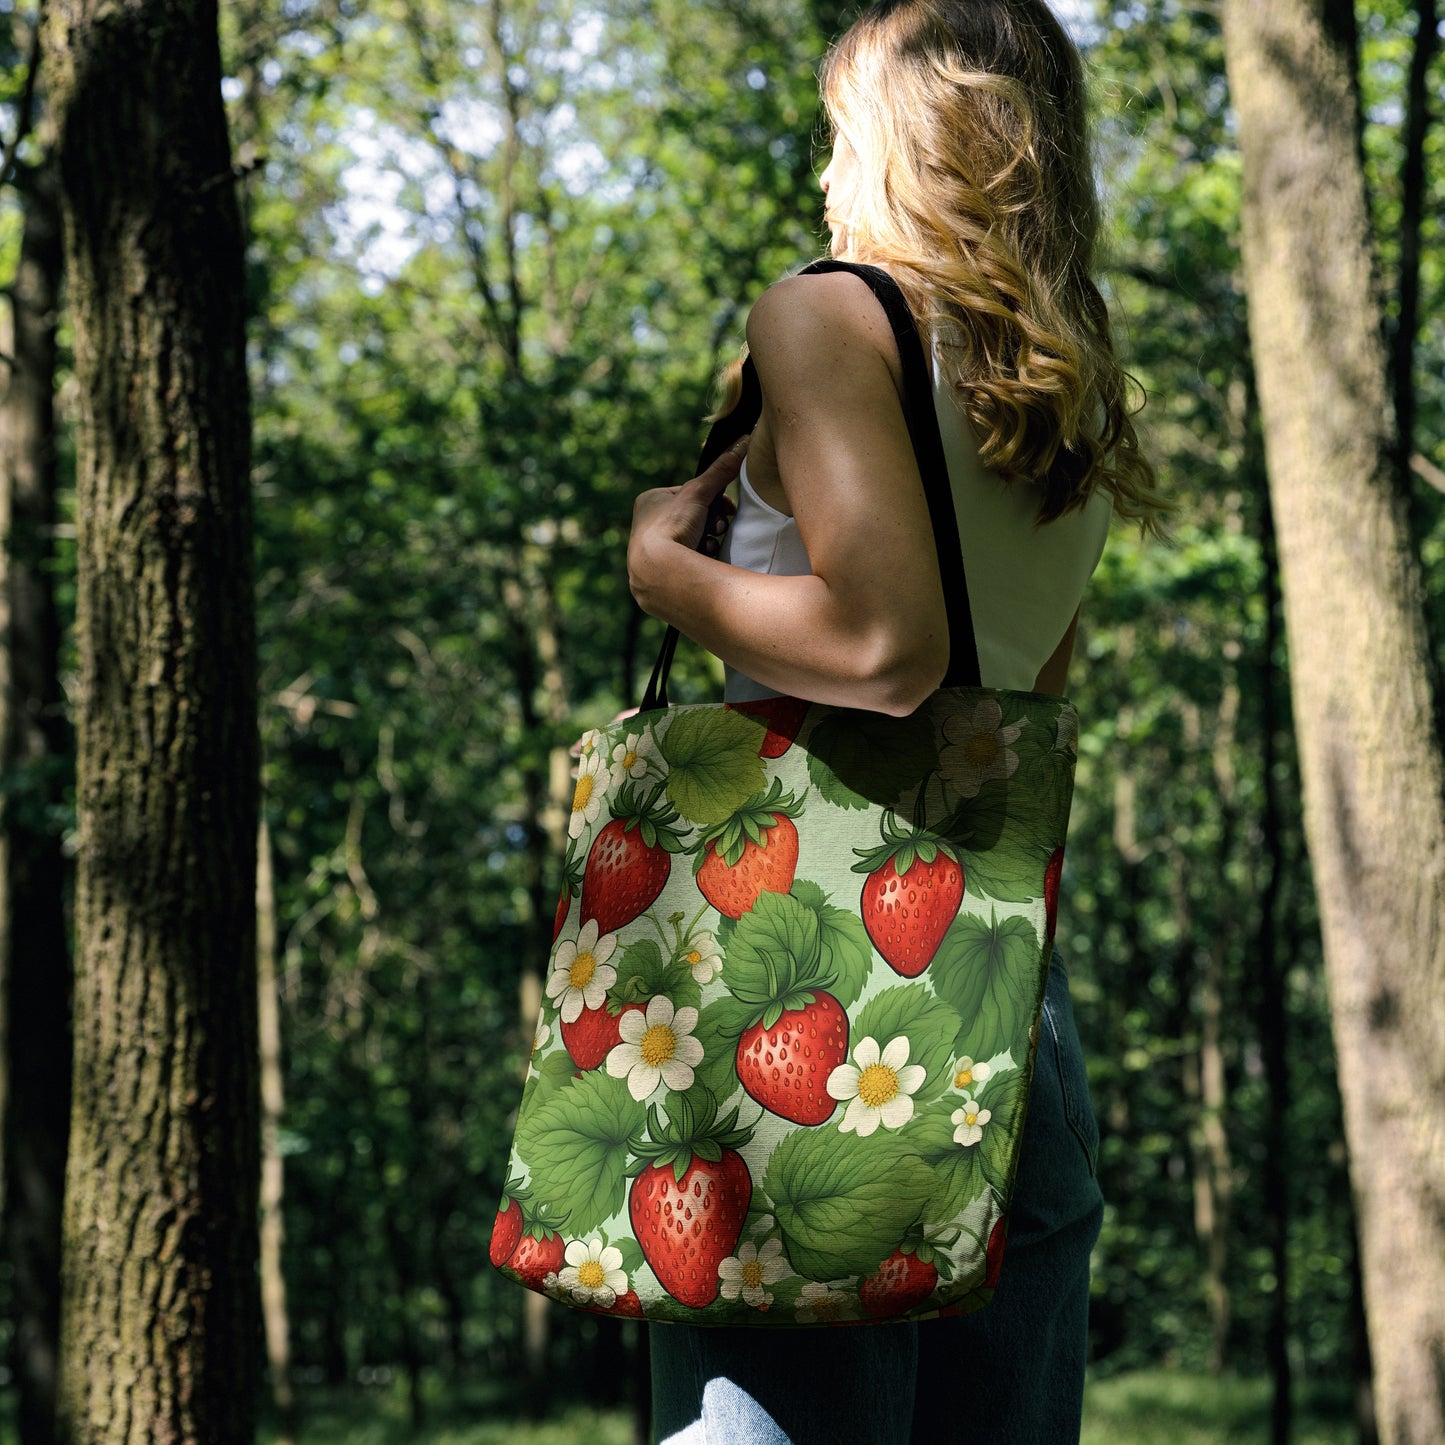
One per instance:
(1025, 581)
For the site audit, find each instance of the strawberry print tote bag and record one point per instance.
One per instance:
(790, 1012)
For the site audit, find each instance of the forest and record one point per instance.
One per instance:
(337, 338)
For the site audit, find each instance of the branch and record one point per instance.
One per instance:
(1427, 471)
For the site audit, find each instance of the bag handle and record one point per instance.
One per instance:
(932, 466)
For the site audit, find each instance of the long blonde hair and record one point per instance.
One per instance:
(975, 190)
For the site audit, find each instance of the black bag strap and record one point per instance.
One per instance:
(927, 442)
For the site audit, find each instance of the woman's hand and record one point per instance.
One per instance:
(666, 517)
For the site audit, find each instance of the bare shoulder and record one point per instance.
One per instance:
(827, 319)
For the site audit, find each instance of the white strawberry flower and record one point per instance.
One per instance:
(878, 1085)
(593, 1274)
(970, 1118)
(976, 749)
(752, 1267)
(587, 793)
(581, 974)
(633, 758)
(702, 954)
(540, 1037)
(657, 1048)
(966, 1074)
(589, 742)
(821, 1304)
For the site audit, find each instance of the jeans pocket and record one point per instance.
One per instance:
(1058, 1019)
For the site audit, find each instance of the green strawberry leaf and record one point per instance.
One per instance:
(713, 763)
(776, 948)
(847, 952)
(642, 972)
(842, 1210)
(929, 1025)
(958, 1174)
(575, 1142)
(718, 1028)
(1004, 838)
(857, 759)
(992, 974)
(632, 1259)
(1005, 1097)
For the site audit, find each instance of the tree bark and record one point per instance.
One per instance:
(34, 946)
(1363, 675)
(159, 1315)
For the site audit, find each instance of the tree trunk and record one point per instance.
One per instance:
(34, 948)
(159, 1313)
(1363, 673)
(273, 1176)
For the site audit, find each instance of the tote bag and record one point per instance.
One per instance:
(791, 1007)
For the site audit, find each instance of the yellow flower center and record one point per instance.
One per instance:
(824, 1306)
(591, 1274)
(877, 1084)
(752, 1274)
(658, 1045)
(694, 958)
(963, 1078)
(583, 967)
(970, 1117)
(582, 795)
(981, 749)
(629, 761)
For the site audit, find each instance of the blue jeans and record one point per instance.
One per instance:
(1011, 1374)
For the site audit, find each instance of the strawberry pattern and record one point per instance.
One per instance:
(783, 1059)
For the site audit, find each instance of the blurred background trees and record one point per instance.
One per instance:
(498, 253)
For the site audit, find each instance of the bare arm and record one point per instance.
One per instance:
(868, 628)
(1054, 675)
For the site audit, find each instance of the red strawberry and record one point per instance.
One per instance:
(786, 1067)
(627, 1305)
(629, 860)
(784, 717)
(899, 1284)
(912, 893)
(536, 1256)
(564, 902)
(506, 1233)
(594, 1034)
(1052, 874)
(997, 1238)
(690, 1200)
(755, 851)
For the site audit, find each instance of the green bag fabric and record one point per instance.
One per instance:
(790, 1013)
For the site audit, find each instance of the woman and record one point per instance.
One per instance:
(960, 166)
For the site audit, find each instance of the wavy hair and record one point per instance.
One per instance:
(975, 189)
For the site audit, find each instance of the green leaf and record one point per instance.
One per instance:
(992, 974)
(777, 940)
(1004, 838)
(929, 1025)
(858, 759)
(847, 952)
(575, 1143)
(713, 763)
(844, 1204)
(632, 1259)
(958, 1175)
(643, 972)
(1003, 1096)
(718, 1027)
